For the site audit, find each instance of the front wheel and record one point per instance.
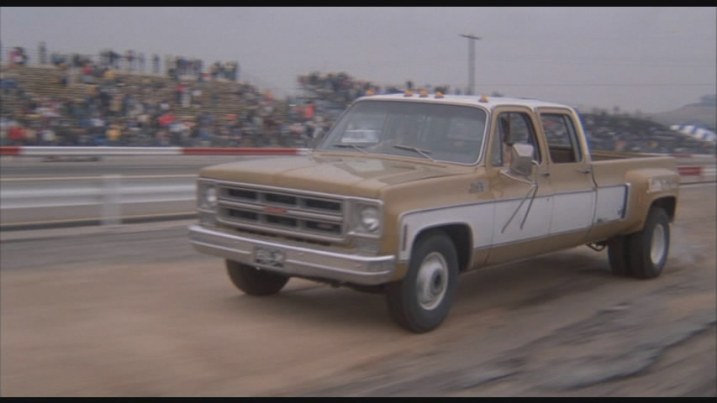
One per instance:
(421, 301)
(255, 281)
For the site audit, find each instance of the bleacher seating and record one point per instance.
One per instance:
(329, 93)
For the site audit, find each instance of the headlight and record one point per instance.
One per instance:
(210, 195)
(366, 218)
(369, 219)
(206, 195)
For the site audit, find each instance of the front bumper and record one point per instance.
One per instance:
(296, 261)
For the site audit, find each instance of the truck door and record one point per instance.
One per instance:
(523, 205)
(570, 175)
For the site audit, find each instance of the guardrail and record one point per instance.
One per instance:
(696, 168)
(115, 199)
(105, 199)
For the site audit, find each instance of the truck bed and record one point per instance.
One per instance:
(615, 168)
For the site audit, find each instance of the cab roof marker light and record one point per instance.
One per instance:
(483, 99)
(423, 93)
(439, 94)
(408, 93)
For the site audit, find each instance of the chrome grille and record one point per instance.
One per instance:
(281, 212)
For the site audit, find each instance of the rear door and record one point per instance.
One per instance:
(570, 175)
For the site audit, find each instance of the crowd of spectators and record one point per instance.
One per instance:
(182, 109)
(226, 71)
(18, 56)
(341, 89)
(130, 61)
(622, 132)
(156, 111)
(162, 112)
(179, 66)
(605, 131)
(175, 67)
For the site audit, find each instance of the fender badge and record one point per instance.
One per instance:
(478, 187)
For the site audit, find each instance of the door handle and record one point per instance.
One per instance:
(585, 171)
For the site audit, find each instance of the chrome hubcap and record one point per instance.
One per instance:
(432, 281)
(658, 245)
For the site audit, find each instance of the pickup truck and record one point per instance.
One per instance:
(408, 191)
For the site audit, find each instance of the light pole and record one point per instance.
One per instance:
(471, 61)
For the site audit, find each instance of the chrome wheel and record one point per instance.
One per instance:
(432, 281)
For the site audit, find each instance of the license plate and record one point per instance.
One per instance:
(268, 256)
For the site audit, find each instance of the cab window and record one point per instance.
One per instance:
(513, 128)
(561, 137)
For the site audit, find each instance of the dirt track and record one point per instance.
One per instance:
(134, 311)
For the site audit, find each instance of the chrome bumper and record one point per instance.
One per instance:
(296, 261)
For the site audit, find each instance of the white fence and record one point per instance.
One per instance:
(106, 199)
(114, 199)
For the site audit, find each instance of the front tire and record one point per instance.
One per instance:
(421, 301)
(253, 281)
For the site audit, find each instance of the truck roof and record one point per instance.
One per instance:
(488, 102)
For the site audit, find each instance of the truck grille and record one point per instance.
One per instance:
(279, 212)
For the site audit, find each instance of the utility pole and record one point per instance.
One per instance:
(471, 61)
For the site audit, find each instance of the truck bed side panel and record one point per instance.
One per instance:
(629, 182)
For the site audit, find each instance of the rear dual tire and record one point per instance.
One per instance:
(642, 254)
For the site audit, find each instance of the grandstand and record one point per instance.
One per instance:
(228, 113)
(45, 81)
(613, 132)
(26, 87)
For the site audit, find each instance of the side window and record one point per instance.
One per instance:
(513, 128)
(562, 138)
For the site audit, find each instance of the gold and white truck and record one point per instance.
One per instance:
(408, 191)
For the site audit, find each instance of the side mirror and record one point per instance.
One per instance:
(521, 161)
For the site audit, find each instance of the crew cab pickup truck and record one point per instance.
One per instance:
(408, 191)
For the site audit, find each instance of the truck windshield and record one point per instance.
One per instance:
(450, 133)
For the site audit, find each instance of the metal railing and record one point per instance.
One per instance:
(105, 199)
(115, 199)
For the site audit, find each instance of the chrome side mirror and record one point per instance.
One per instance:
(521, 159)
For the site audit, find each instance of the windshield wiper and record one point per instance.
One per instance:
(414, 149)
(350, 146)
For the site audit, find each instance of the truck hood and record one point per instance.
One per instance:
(350, 176)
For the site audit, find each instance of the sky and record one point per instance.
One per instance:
(649, 59)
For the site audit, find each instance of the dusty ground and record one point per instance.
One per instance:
(134, 311)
